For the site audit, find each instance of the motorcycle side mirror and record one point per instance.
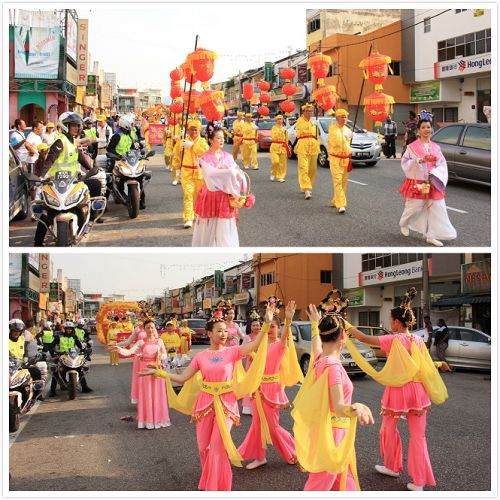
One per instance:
(150, 154)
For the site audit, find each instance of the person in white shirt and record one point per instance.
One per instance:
(50, 134)
(104, 134)
(34, 139)
(18, 140)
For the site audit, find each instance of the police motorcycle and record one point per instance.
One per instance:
(69, 368)
(23, 390)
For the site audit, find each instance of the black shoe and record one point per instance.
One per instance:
(142, 205)
(86, 389)
(52, 394)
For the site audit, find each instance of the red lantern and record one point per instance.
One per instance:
(263, 110)
(202, 62)
(188, 74)
(176, 107)
(326, 96)
(264, 86)
(194, 103)
(320, 65)
(287, 73)
(175, 91)
(378, 106)
(176, 74)
(247, 91)
(287, 106)
(265, 98)
(172, 120)
(289, 89)
(212, 104)
(376, 68)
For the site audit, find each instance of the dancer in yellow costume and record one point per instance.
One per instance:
(237, 134)
(278, 150)
(307, 150)
(249, 145)
(114, 330)
(339, 150)
(171, 340)
(185, 338)
(168, 140)
(189, 151)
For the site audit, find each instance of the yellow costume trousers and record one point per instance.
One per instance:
(307, 166)
(338, 169)
(249, 153)
(167, 152)
(113, 358)
(278, 165)
(236, 146)
(191, 186)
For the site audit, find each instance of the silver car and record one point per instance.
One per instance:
(467, 149)
(365, 145)
(467, 347)
(301, 332)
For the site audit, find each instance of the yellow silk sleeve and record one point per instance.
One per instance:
(429, 376)
(249, 382)
(176, 158)
(290, 372)
(184, 401)
(200, 147)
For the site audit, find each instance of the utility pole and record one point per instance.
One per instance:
(259, 267)
(425, 283)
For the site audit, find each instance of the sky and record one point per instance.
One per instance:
(142, 45)
(139, 275)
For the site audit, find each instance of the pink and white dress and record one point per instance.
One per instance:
(233, 334)
(215, 366)
(216, 220)
(273, 399)
(426, 214)
(324, 481)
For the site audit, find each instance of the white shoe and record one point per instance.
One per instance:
(342, 210)
(255, 168)
(434, 242)
(381, 469)
(256, 463)
(405, 231)
(307, 195)
(247, 410)
(281, 180)
(272, 178)
(188, 224)
(414, 487)
(175, 182)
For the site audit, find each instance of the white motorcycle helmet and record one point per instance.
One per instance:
(81, 323)
(16, 325)
(69, 117)
(126, 122)
(48, 324)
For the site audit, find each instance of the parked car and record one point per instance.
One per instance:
(467, 149)
(301, 332)
(467, 348)
(228, 121)
(204, 123)
(18, 188)
(375, 331)
(198, 332)
(264, 134)
(365, 145)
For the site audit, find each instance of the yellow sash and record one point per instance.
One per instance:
(265, 435)
(290, 371)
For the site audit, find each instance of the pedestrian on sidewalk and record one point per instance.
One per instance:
(307, 150)
(390, 134)
(339, 150)
(33, 140)
(18, 140)
(441, 338)
(424, 189)
(50, 134)
(278, 150)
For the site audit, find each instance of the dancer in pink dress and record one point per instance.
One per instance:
(152, 407)
(253, 329)
(410, 400)
(216, 366)
(272, 398)
(328, 341)
(234, 334)
(138, 334)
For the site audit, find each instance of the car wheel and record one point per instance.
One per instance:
(323, 158)
(370, 163)
(23, 213)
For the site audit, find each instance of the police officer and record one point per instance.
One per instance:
(62, 343)
(83, 336)
(46, 336)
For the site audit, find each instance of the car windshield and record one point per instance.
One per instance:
(325, 123)
(305, 331)
(267, 125)
(196, 323)
(132, 156)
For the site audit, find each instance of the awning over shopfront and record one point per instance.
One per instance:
(464, 299)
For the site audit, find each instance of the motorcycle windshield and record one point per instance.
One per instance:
(132, 157)
(62, 181)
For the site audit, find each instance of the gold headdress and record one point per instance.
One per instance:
(253, 315)
(334, 303)
(406, 306)
(273, 300)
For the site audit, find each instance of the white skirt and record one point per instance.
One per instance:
(215, 232)
(428, 217)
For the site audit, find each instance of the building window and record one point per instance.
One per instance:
(457, 11)
(325, 277)
(369, 318)
(372, 261)
(396, 68)
(465, 45)
(427, 25)
(313, 25)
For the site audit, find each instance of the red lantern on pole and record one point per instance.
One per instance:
(175, 90)
(202, 62)
(326, 96)
(287, 73)
(172, 120)
(264, 86)
(176, 107)
(176, 74)
(212, 104)
(188, 73)
(194, 103)
(265, 98)
(378, 106)
(287, 106)
(376, 68)
(289, 89)
(247, 91)
(320, 65)
(263, 110)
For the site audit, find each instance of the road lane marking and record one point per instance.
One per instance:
(357, 182)
(457, 210)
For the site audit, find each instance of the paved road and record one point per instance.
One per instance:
(88, 447)
(281, 216)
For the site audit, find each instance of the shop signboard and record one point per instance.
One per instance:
(245, 281)
(34, 260)
(476, 277)
(463, 67)
(33, 282)
(207, 303)
(302, 73)
(53, 291)
(82, 51)
(402, 272)
(268, 72)
(241, 298)
(71, 36)
(356, 297)
(44, 273)
(156, 131)
(92, 82)
(425, 91)
(15, 270)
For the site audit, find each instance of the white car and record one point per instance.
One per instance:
(366, 147)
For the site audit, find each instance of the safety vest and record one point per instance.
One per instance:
(66, 343)
(67, 160)
(90, 132)
(124, 144)
(80, 333)
(16, 349)
(47, 337)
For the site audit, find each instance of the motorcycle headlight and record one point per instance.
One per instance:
(73, 198)
(50, 200)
